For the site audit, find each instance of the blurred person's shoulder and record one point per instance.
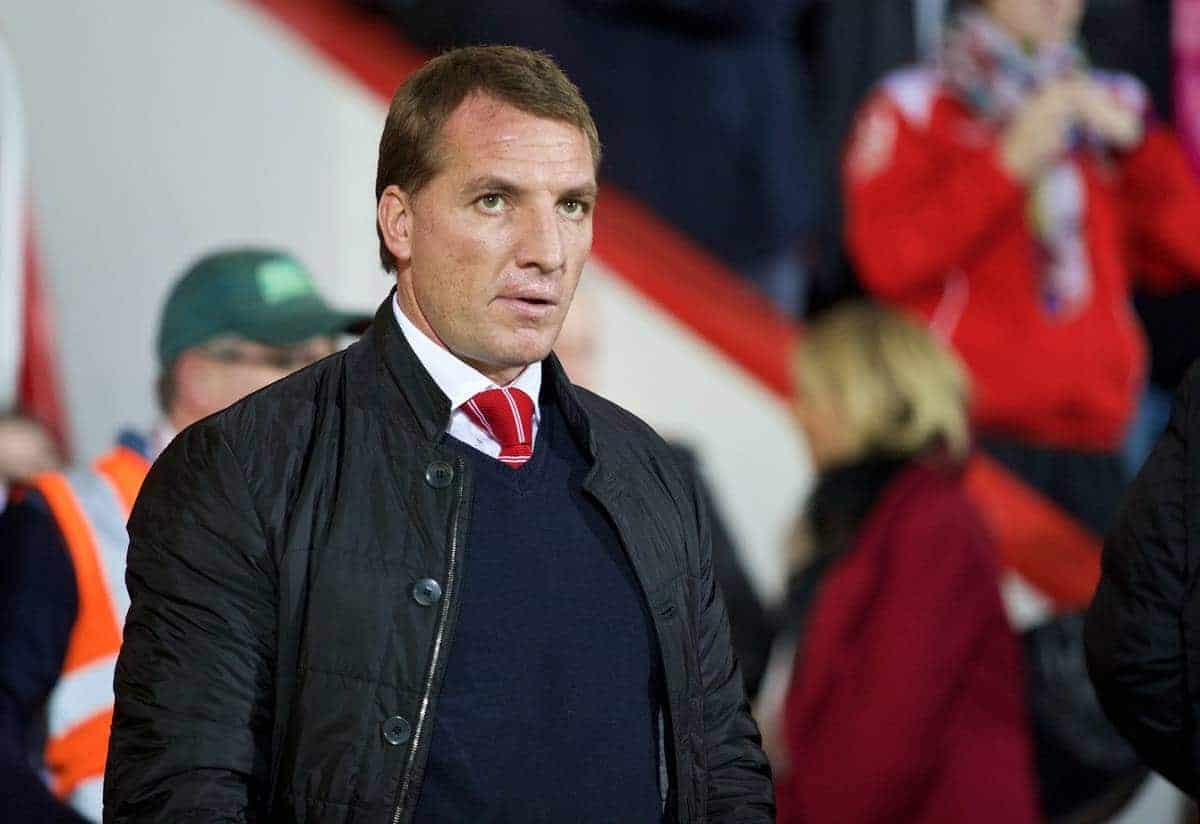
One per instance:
(905, 102)
(912, 92)
(930, 498)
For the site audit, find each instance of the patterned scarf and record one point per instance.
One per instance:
(994, 75)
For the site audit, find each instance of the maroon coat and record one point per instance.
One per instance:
(907, 703)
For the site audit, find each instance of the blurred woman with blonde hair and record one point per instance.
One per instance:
(906, 702)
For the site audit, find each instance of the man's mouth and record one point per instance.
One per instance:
(529, 304)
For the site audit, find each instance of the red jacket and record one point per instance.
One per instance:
(937, 226)
(907, 702)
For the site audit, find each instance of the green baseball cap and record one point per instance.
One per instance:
(259, 294)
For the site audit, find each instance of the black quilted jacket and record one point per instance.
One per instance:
(1143, 628)
(278, 664)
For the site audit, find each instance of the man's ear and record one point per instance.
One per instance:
(394, 214)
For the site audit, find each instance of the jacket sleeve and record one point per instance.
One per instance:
(751, 629)
(1140, 621)
(192, 723)
(917, 208)
(1161, 197)
(739, 776)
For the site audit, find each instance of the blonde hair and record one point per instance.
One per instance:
(898, 389)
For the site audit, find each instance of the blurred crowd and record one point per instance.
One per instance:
(987, 215)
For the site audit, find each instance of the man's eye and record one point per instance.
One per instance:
(491, 203)
(574, 208)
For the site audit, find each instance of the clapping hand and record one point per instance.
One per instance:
(1038, 135)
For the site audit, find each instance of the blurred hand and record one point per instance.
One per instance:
(1037, 136)
(1099, 109)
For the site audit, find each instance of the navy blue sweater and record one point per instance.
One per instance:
(548, 711)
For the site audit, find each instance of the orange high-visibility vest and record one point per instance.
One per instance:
(91, 506)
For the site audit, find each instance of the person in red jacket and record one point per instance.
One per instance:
(1008, 193)
(906, 702)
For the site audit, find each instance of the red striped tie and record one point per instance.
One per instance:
(506, 415)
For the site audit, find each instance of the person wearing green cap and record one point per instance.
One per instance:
(236, 321)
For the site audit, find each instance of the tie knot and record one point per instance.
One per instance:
(506, 415)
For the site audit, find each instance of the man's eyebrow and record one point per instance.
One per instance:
(586, 191)
(494, 183)
(491, 183)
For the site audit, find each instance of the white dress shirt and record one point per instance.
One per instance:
(460, 382)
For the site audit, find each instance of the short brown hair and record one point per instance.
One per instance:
(527, 80)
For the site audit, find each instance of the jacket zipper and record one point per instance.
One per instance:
(438, 643)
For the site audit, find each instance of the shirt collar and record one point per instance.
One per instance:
(459, 381)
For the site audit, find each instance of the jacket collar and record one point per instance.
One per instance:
(429, 405)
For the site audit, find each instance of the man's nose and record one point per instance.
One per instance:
(540, 243)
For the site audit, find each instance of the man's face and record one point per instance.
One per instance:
(223, 371)
(489, 252)
(25, 450)
(1040, 22)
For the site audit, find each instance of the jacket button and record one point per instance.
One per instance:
(439, 474)
(395, 730)
(427, 592)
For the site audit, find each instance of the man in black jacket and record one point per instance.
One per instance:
(1143, 627)
(428, 579)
